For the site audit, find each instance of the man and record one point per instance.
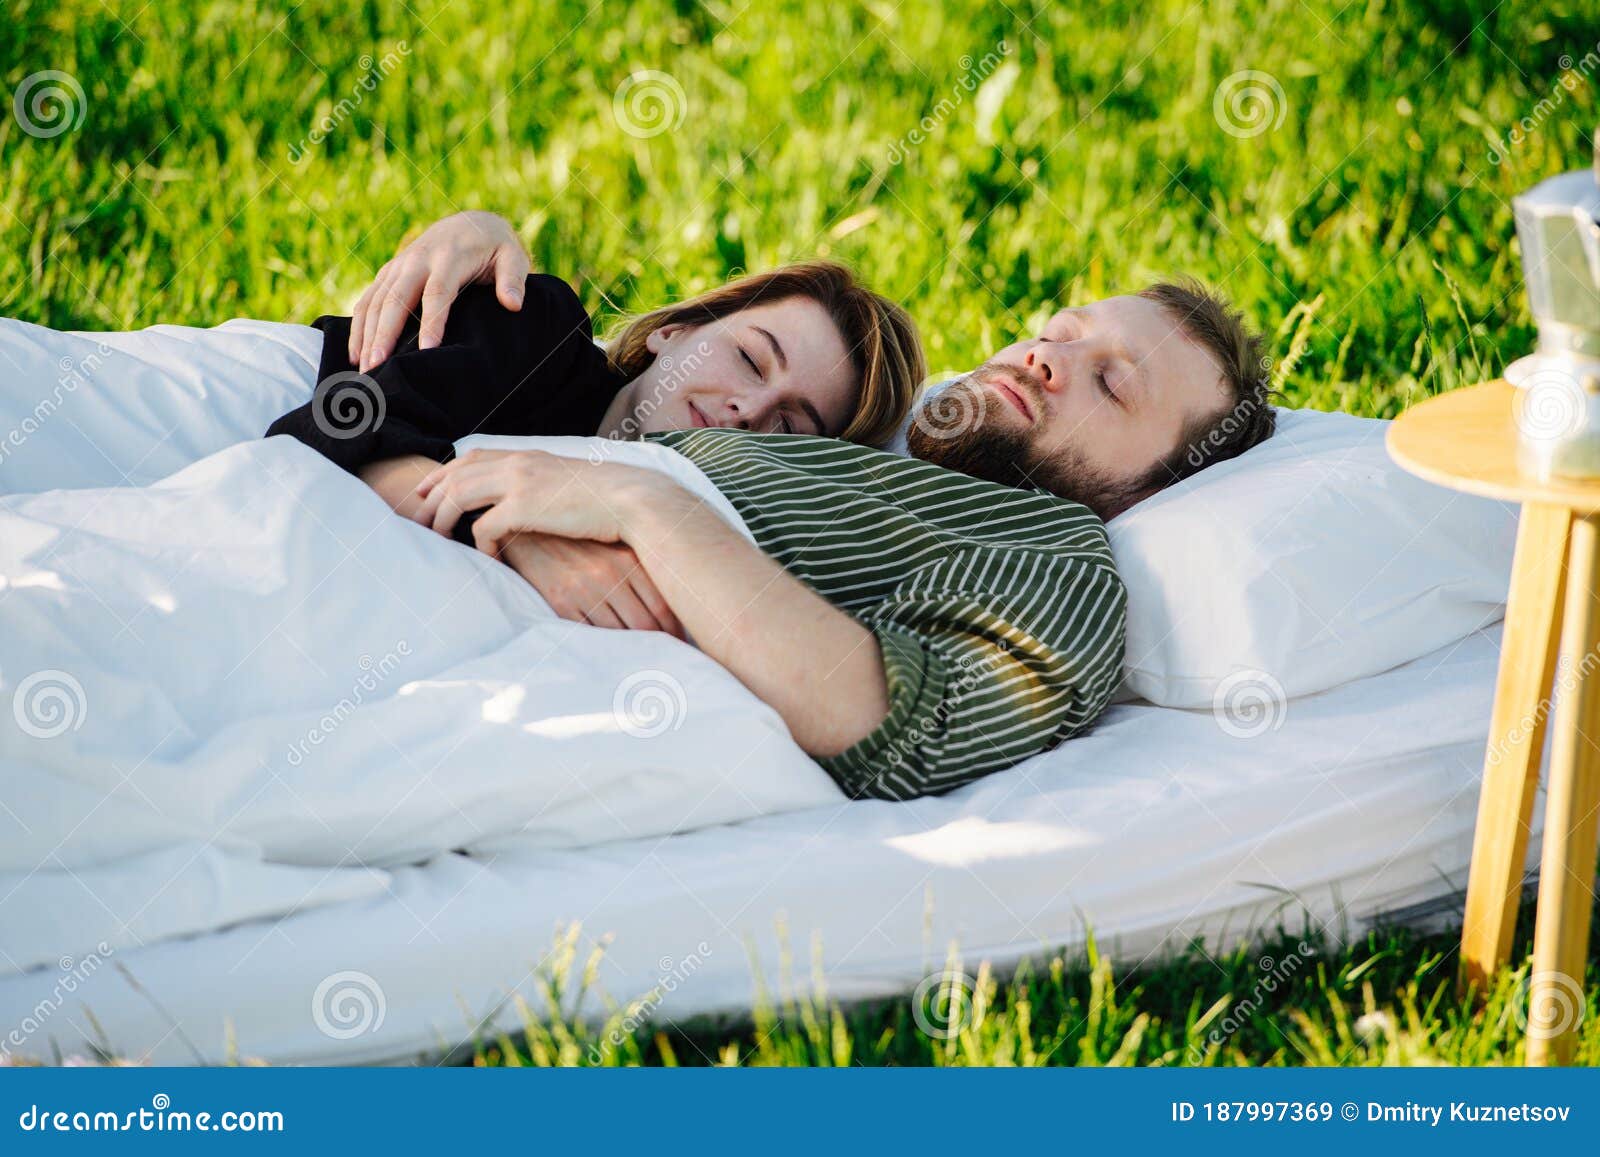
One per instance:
(916, 625)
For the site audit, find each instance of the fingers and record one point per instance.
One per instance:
(588, 582)
(604, 616)
(459, 250)
(433, 477)
(474, 457)
(510, 274)
(476, 486)
(493, 527)
(447, 512)
(403, 292)
(358, 318)
(650, 598)
(436, 299)
(369, 319)
(381, 289)
(432, 492)
(629, 611)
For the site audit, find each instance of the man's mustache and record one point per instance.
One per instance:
(1020, 380)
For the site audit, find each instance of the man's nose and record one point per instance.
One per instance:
(1048, 361)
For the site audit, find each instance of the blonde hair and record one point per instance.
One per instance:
(881, 337)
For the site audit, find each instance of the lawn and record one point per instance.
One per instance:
(1344, 171)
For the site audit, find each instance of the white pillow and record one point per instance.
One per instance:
(1308, 561)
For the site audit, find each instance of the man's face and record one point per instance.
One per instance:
(1084, 410)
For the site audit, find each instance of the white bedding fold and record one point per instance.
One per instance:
(252, 664)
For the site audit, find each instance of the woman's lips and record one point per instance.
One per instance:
(696, 416)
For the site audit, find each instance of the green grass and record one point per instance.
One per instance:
(1367, 230)
(1389, 998)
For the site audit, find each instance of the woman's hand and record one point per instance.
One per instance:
(601, 584)
(531, 491)
(458, 251)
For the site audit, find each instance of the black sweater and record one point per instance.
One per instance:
(536, 371)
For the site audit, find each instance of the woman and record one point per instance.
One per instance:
(802, 349)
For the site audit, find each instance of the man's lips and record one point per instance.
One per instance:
(696, 416)
(1011, 394)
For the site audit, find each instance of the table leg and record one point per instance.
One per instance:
(1572, 817)
(1516, 741)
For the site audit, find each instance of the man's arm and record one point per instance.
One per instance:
(815, 665)
(818, 667)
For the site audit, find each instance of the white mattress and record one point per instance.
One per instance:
(1157, 828)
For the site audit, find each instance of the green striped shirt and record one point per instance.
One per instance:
(998, 611)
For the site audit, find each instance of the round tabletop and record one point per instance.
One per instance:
(1467, 440)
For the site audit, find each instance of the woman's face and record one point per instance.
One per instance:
(780, 367)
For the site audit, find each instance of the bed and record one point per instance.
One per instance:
(1345, 797)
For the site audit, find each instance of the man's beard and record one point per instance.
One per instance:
(961, 428)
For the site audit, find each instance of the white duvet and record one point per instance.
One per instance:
(248, 688)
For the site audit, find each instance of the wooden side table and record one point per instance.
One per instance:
(1467, 440)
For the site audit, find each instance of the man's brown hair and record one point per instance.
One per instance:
(1248, 418)
(885, 350)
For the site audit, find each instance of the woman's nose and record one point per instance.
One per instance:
(747, 414)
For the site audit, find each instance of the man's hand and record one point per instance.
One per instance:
(462, 250)
(586, 582)
(531, 491)
(820, 669)
(601, 584)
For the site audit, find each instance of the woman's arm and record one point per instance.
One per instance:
(498, 372)
(396, 479)
(740, 606)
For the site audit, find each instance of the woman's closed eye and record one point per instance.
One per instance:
(751, 362)
(785, 425)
